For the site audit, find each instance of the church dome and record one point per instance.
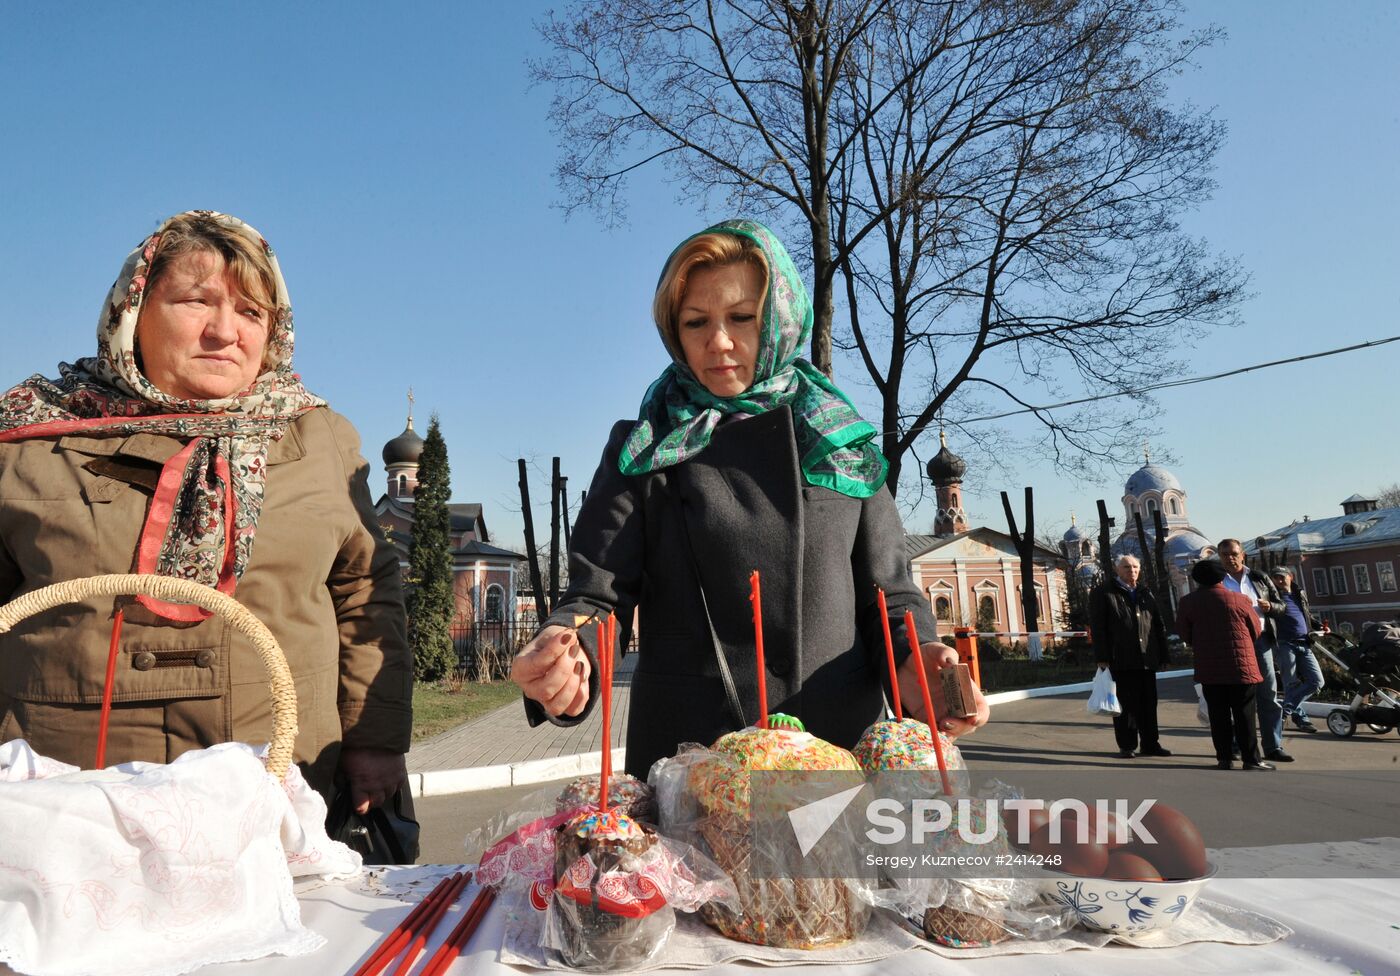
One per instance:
(945, 467)
(1188, 544)
(404, 449)
(1075, 534)
(1151, 477)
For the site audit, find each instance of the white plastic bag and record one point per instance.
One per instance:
(1103, 697)
(1202, 711)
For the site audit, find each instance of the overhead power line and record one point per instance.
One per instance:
(1184, 381)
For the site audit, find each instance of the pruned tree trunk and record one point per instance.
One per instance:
(1105, 541)
(564, 503)
(1025, 546)
(1149, 571)
(554, 534)
(1166, 596)
(532, 554)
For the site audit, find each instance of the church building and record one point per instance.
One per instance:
(1148, 490)
(970, 573)
(487, 579)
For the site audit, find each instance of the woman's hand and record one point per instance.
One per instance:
(374, 775)
(554, 671)
(937, 657)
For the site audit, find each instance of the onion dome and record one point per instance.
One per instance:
(1075, 533)
(1151, 477)
(404, 449)
(945, 467)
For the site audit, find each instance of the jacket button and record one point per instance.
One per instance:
(204, 659)
(143, 661)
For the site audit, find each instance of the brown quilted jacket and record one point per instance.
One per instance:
(1221, 628)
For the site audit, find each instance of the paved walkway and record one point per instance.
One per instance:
(1045, 728)
(500, 749)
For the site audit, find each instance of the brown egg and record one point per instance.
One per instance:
(1111, 821)
(1124, 865)
(1086, 860)
(1179, 852)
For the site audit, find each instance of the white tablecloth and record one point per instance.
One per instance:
(1341, 926)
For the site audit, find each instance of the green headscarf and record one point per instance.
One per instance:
(679, 415)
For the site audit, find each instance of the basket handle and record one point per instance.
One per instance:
(283, 691)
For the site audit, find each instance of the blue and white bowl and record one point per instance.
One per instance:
(1125, 906)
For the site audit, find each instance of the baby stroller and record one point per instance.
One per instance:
(1371, 671)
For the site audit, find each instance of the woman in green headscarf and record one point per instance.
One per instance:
(744, 457)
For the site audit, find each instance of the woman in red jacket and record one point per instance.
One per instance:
(1221, 627)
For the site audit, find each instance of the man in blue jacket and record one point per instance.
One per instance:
(1303, 676)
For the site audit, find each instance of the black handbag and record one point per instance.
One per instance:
(388, 834)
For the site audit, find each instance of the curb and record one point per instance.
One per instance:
(445, 782)
(1021, 694)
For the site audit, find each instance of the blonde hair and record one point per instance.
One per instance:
(244, 259)
(713, 250)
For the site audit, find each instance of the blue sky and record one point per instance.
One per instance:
(400, 164)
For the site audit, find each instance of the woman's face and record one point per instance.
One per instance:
(200, 337)
(718, 326)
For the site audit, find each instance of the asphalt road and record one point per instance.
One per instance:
(1338, 789)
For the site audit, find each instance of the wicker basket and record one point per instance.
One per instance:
(283, 691)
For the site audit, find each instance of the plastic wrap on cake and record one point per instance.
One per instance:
(705, 798)
(608, 911)
(611, 883)
(958, 909)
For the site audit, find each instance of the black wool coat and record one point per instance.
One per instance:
(740, 505)
(1126, 635)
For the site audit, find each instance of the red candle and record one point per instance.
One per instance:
(459, 937)
(402, 934)
(889, 652)
(106, 714)
(605, 653)
(928, 700)
(755, 597)
(429, 923)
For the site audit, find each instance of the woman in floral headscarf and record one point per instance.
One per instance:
(744, 457)
(187, 447)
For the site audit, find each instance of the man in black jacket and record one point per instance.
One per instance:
(1130, 641)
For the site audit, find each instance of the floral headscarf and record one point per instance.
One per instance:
(204, 515)
(679, 415)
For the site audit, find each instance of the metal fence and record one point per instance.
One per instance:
(485, 647)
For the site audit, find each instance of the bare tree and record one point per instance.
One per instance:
(1389, 496)
(990, 186)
